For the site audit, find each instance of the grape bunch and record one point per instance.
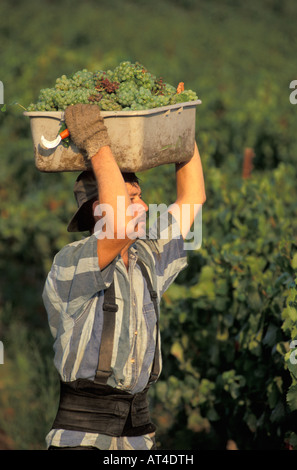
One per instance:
(127, 93)
(128, 87)
(123, 72)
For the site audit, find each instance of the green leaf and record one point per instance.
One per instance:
(197, 423)
(271, 335)
(294, 261)
(251, 421)
(212, 415)
(177, 351)
(292, 397)
(278, 413)
(272, 395)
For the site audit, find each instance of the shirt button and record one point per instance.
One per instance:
(132, 361)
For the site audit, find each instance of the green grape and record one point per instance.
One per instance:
(109, 105)
(31, 107)
(183, 97)
(128, 87)
(159, 101)
(63, 83)
(137, 107)
(40, 106)
(124, 72)
(98, 75)
(80, 96)
(144, 96)
(82, 78)
(147, 81)
(143, 78)
(138, 70)
(47, 95)
(110, 75)
(168, 90)
(126, 93)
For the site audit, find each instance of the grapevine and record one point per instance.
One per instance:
(128, 87)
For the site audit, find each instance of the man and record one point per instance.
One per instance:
(102, 297)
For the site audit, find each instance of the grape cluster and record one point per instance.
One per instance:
(123, 72)
(128, 87)
(184, 96)
(127, 93)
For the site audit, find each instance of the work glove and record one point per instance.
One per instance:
(87, 128)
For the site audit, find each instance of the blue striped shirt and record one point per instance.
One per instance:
(73, 296)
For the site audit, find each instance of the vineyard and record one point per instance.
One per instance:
(229, 322)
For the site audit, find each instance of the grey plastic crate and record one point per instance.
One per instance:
(139, 139)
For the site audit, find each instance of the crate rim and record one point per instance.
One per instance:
(144, 112)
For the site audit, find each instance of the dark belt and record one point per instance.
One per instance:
(89, 407)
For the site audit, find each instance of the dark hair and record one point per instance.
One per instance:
(130, 178)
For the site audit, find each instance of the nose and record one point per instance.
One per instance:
(145, 206)
(141, 202)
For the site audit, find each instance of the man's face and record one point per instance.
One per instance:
(138, 208)
(135, 194)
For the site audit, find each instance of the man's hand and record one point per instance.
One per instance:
(87, 128)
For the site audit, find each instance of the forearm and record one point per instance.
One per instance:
(190, 186)
(190, 192)
(89, 133)
(112, 189)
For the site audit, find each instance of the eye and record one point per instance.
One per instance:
(137, 196)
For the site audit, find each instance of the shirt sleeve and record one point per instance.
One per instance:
(167, 246)
(75, 277)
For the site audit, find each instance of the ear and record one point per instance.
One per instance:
(94, 205)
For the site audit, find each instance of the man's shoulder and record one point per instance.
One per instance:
(71, 252)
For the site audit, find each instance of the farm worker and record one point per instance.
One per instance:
(103, 292)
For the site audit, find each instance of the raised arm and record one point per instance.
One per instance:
(190, 192)
(112, 192)
(89, 133)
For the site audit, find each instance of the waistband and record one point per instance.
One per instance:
(101, 409)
